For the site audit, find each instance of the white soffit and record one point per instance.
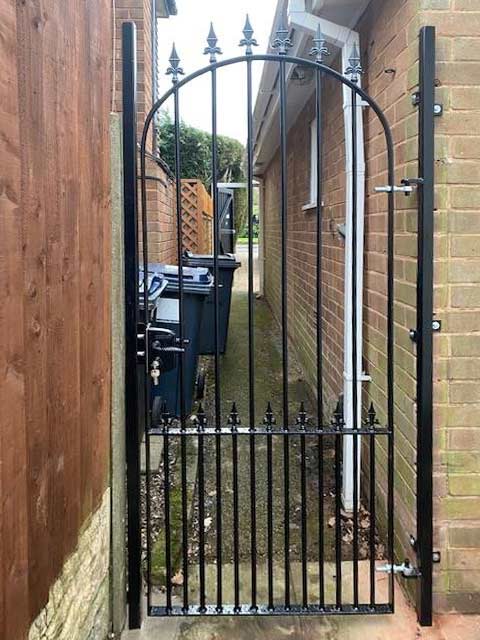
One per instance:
(345, 13)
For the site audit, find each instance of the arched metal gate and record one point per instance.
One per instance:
(295, 580)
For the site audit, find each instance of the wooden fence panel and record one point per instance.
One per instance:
(197, 217)
(13, 452)
(55, 255)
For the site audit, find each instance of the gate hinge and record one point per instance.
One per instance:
(406, 569)
(141, 341)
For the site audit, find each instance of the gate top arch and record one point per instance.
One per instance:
(282, 43)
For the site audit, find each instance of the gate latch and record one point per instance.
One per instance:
(406, 569)
(406, 186)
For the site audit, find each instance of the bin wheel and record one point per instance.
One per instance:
(200, 385)
(157, 410)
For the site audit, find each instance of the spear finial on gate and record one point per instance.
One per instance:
(234, 418)
(302, 418)
(282, 42)
(212, 48)
(166, 417)
(319, 49)
(354, 70)
(269, 419)
(372, 417)
(248, 41)
(338, 417)
(174, 69)
(200, 418)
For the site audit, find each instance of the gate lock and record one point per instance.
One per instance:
(406, 569)
(163, 346)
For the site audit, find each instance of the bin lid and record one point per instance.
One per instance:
(225, 260)
(156, 286)
(195, 279)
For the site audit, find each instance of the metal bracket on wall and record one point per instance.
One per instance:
(436, 328)
(437, 107)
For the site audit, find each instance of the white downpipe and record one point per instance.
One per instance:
(348, 460)
(345, 38)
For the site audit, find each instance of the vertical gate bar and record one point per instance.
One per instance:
(178, 194)
(286, 442)
(270, 520)
(338, 515)
(354, 348)
(129, 99)
(146, 386)
(216, 250)
(201, 517)
(218, 411)
(236, 559)
(251, 341)
(303, 492)
(424, 323)
(168, 546)
(319, 212)
(390, 360)
(372, 517)
(184, 491)
(181, 358)
(218, 489)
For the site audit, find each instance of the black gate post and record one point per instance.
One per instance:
(424, 325)
(129, 87)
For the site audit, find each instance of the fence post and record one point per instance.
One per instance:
(424, 325)
(129, 87)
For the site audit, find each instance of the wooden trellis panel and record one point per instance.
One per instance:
(197, 214)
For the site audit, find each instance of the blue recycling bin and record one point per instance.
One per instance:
(227, 265)
(197, 285)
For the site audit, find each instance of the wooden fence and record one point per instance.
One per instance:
(55, 260)
(197, 217)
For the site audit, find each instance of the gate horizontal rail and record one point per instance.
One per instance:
(293, 610)
(265, 431)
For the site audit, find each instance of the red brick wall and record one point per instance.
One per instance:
(389, 36)
(302, 231)
(160, 195)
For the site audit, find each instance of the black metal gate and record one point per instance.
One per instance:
(282, 574)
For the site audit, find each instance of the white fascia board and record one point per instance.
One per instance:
(334, 33)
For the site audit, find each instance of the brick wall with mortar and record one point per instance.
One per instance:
(457, 276)
(302, 229)
(160, 192)
(389, 35)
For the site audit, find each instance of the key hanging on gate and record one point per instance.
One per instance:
(155, 372)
